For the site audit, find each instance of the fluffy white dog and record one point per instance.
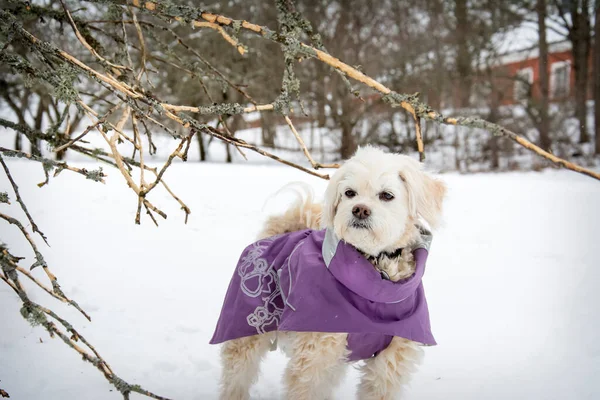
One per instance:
(375, 202)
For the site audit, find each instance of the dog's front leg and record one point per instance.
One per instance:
(383, 376)
(240, 360)
(316, 366)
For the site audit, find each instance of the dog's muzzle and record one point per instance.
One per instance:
(360, 223)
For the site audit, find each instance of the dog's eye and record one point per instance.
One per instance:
(386, 196)
(350, 193)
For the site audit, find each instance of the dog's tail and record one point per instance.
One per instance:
(304, 213)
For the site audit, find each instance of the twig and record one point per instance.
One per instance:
(150, 214)
(138, 211)
(57, 296)
(112, 142)
(218, 28)
(38, 256)
(221, 119)
(174, 154)
(151, 145)
(314, 164)
(209, 65)
(199, 24)
(263, 107)
(84, 42)
(184, 207)
(149, 205)
(144, 55)
(501, 131)
(93, 175)
(213, 132)
(209, 110)
(88, 129)
(34, 226)
(46, 47)
(137, 145)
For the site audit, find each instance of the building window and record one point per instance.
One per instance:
(523, 82)
(560, 79)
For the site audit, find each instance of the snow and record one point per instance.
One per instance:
(512, 284)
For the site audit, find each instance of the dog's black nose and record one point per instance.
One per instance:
(361, 211)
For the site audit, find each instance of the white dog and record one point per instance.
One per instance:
(374, 202)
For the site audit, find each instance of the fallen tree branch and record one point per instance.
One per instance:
(410, 103)
(234, 108)
(39, 315)
(58, 293)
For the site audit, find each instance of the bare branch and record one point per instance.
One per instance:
(314, 164)
(84, 42)
(95, 175)
(88, 129)
(34, 226)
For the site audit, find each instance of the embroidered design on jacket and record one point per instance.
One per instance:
(259, 278)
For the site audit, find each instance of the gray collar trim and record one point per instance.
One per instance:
(330, 245)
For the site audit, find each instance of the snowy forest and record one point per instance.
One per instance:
(140, 140)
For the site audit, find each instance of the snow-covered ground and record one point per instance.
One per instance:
(513, 285)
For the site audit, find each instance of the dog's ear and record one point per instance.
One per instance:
(332, 198)
(425, 193)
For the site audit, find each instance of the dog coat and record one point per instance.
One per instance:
(310, 281)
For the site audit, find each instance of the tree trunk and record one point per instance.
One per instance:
(201, 146)
(463, 58)
(234, 123)
(597, 76)
(267, 129)
(494, 152)
(493, 143)
(225, 119)
(19, 112)
(39, 119)
(580, 39)
(349, 145)
(321, 95)
(436, 11)
(228, 158)
(544, 118)
(321, 114)
(18, 141)
(456, 148)
(73, 126)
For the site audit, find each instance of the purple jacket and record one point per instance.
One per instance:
(309, 281)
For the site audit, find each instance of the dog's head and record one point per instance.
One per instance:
(376, 197)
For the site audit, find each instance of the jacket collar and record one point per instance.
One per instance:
(330, 244)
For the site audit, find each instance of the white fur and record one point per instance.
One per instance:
(368, 173)
(318, 360)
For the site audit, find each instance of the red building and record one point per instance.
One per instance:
(520, 73)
